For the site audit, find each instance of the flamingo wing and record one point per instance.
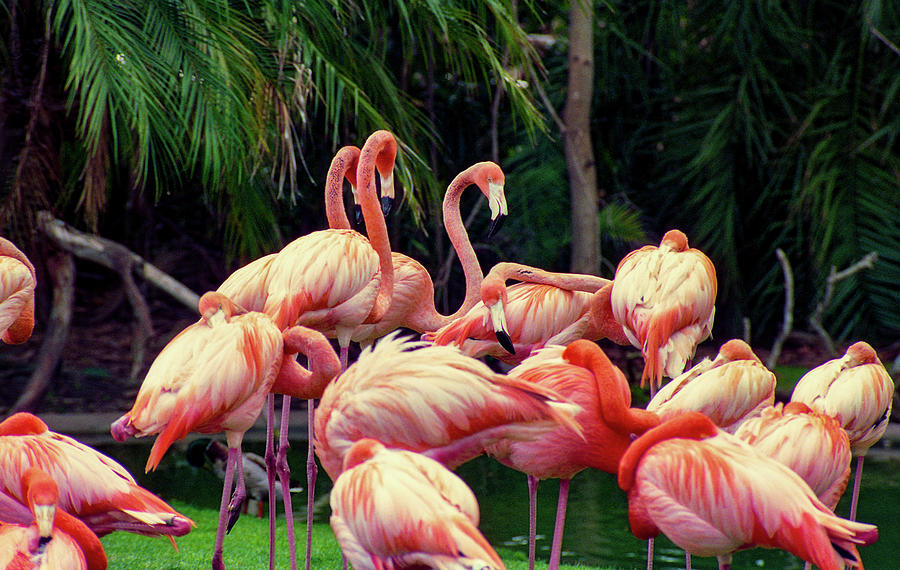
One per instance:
(16, 300)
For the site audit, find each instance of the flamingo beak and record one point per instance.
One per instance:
(43, 516)
(497, 202)
(357, 214)
(498, 321)
(387, 193)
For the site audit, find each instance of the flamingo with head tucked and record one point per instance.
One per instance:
(729, 389)
(544, 308)
(42, 535)
(712, 494)
(393, 508)
(856, 390)
(17, 282)
(583, 374)
(92, 487)
(215, 376)
(665, 297)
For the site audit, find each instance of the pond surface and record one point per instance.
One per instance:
(597, 532)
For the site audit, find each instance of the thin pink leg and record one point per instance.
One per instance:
(856, 481)
(556, 549)
(687, 560)
(650, 554)
(345, 356)
(234, 455)
(311, 472)
(270, 474)
(284, 476)
(532, 518)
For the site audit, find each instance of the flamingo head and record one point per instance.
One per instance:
(361, 451)
(42, 495)
(736, 349)
(490, 180)
(384, 147)
(215, 306)
(860, 353)
(674, 240)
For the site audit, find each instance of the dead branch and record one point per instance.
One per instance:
(787, 323)
(62, 273)
(114, 256)
(815, 319)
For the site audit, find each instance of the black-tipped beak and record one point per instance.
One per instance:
(387, 204)
(357, 214)
(43, 540)
(233, 517)
(495, 225)
(505, 342)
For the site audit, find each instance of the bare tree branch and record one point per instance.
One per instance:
(787, 323)
(815, 319)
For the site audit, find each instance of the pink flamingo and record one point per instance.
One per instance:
(429, 399)
(93, 487)
(17, 282)
(583, 374)
(332, 280)
(393, 508)
(412, 300)
(214, 376)
(47, 537)
(665, 297)
(545, 308)
(729, 389)
(712, 494)
(856, 390)
(813, 445)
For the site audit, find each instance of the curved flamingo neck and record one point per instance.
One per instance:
(459, 237)
(527, 274)
(603, 323)
(343, 165)
(376, 228)
(690, 425)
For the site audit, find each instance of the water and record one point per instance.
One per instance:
(597, 532)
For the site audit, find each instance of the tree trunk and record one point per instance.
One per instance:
(577, 141)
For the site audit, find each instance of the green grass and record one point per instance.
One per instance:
(246, 547)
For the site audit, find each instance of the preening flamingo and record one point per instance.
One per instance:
(545, 308)
(332, 280)
(729, 389)
(430, 399)
(399, 509)
(665, 297)
(47, 536)
(712, 494)
(584, 375)
(215, 376)
(17, 282)
(813, 445)
(857, 390)
(92, 487)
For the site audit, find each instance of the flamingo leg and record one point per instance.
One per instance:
(532, 518)
(345, 356)
(234, 455)
(239, 497)
(556, 549)
(650, 554)
(284, 476)
(857, 479)
(270, 474)
(687, 560)
(311, 472)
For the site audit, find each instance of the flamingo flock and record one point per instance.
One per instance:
(711, 462)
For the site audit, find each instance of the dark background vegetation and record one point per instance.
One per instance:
(197, 134)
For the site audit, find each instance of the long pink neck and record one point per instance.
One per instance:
(527, 274)
(381, 141)
(461, 244)
(343, 163)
